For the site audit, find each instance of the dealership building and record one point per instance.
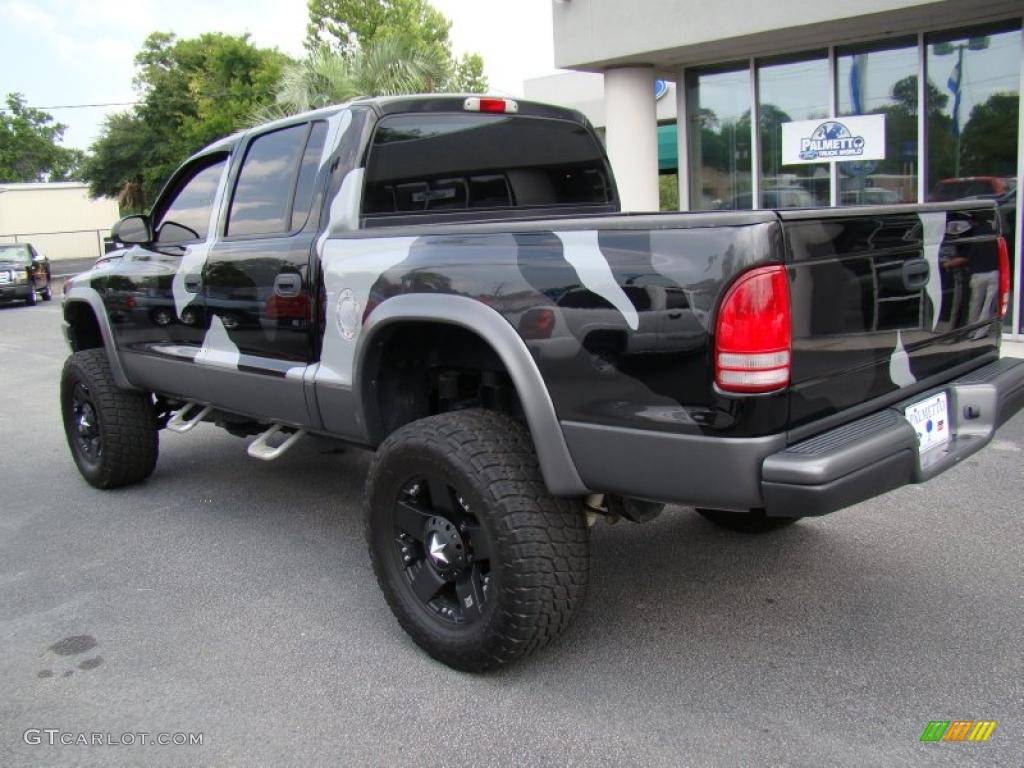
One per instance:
(801, 103)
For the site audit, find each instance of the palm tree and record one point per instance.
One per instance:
(382, 67)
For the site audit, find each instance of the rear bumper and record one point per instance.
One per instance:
(879, 452)
(834, 469)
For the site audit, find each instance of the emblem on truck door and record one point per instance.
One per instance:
(347, 314)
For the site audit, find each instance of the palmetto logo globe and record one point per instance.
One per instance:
(831, 139)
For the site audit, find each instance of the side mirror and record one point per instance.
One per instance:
(133, 230)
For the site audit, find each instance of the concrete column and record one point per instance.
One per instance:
(632, 135)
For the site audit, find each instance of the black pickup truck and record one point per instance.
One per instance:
(449, 282)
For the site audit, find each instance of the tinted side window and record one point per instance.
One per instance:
(261, 203)
(439, 162)
(307, 175)
(187, 217)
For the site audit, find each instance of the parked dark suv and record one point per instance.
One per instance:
(24, 274)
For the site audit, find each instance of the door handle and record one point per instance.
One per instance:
(916, 274)
(674, 315)
(288, 285)
(193, 283)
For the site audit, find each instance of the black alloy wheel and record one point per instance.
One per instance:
(442, 550)
(112, 432)
(478, 562)
(87, 437)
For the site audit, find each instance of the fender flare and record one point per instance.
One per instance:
(556, 463)
(86, 295)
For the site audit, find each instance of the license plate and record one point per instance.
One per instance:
(930, 419)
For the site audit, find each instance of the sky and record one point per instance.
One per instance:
(63, 52)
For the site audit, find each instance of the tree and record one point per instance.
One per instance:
(116, 167)
(192, 92)
(468, 75)
(380, 67)
(30, 147)
(989, 145)
(345, 26)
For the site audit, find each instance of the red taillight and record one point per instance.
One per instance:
(484, 104)
(537, 323)
(1004, 278)
(752, 335)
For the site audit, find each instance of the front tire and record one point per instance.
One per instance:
(111, 432)
(32, 297)
(47, 293)
(754, 521)
(478, 562)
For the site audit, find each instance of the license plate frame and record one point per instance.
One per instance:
(930, 419)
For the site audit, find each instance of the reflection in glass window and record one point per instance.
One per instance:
(973, 100)
(16, 254)
(972, 120)
(187, 218)
(789, 91)
(265, 183)
(876, 80)
(719, 137)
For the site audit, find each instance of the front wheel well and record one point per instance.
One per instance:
(83, 327)
(419, 369)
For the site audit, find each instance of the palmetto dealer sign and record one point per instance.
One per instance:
(842, 139)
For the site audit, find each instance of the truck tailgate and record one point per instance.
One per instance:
(888, 301)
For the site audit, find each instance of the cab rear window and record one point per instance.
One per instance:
(428, 163)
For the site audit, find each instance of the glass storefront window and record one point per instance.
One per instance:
(791, 90)
(719, 138)
(877, 80)
(973, 104)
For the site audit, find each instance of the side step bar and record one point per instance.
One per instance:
(260, 448)
(178, 423)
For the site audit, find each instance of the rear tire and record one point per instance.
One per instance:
(754, 521)
(111, 432)
(477, 561)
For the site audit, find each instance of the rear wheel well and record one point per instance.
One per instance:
(419, 369)
(83, 327)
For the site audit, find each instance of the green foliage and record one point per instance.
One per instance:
(989, 142)
(116, 167)
(30, 145)
(468, 75)
(344, 25)
(192, 92)
(383, 67)
(414, 27)
(668, 192)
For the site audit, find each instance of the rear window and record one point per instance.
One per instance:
(428, 163)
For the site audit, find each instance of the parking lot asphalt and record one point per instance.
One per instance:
(231, 598)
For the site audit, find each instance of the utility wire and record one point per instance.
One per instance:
(79, 106)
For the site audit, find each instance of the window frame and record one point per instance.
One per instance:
(177, 183)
